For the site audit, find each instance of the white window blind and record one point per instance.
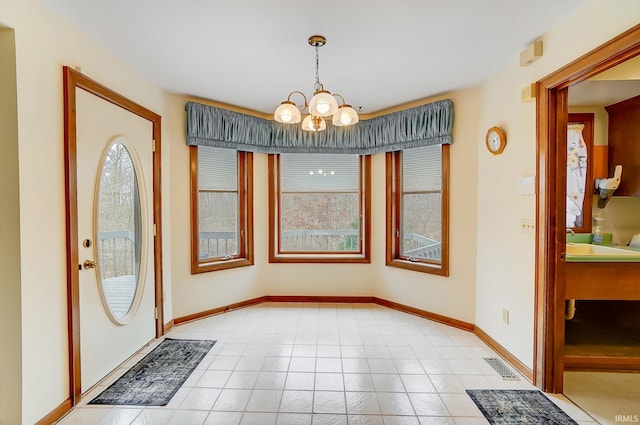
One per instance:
(319, 172)
(217, 169)
(422, 169)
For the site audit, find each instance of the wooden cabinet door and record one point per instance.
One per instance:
(624, 144)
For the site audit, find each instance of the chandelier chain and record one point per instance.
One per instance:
(317, 86)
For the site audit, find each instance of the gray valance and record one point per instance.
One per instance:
(423, 125)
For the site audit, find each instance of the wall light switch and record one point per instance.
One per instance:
(527, 226)
(505, 316)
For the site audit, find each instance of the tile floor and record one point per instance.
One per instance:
(321, 364)
(611, 398)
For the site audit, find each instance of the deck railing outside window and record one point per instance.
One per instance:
(215, 244)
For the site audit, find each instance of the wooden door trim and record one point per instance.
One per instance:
(551, 120)
(73, 79)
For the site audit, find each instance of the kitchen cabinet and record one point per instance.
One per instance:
(624, 144)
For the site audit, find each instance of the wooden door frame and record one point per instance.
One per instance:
(73, 80)
(551, 123)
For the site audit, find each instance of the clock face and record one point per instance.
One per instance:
(495, 140)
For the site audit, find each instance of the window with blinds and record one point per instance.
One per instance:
(319, 204)
(417, 216)
(219, 201)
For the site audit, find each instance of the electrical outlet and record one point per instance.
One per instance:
(505, 316)
(528, 226)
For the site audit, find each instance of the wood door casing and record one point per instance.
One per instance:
(551, 119)
(73, 80)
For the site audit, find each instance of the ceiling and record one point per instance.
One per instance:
(608, 87)
(253, 53)
(602, 93)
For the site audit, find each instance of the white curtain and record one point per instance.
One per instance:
(576, 174)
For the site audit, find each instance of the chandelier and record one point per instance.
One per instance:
(323, 104)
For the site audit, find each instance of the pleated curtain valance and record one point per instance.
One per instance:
(423, 125)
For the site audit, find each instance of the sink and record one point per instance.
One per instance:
(589, 252)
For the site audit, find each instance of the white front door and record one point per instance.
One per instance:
(115, 235)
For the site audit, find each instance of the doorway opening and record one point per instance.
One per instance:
(552, 120)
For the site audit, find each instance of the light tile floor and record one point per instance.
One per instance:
(333, 364)
(611, 398)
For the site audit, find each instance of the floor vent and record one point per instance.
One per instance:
(502, 370)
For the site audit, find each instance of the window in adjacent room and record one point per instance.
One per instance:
(418, 209)
(221, 208)
(319, 208)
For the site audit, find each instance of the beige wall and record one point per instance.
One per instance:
(451, 296)
(44, 43)
(505, 261)
(10, 321)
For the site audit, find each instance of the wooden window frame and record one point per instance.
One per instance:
(361, 256)
(244, 257)
(394, 216)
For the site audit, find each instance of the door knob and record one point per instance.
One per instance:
(88, 264)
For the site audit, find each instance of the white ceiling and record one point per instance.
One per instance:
(608, 87)
(253, 53)
(602, 93)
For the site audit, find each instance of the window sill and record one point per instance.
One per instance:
(430, 268)
(317, 258)
(220, 265)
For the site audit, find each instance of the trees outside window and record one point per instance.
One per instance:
(319, 206)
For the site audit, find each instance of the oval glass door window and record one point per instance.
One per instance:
(119, 233)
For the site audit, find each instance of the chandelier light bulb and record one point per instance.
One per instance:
(287, 113)
(323, 104)
(345, 116)
(286, 116)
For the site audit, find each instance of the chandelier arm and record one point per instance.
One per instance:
(340, 96)
(303, 107)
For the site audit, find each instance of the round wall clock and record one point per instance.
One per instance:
(495, 140)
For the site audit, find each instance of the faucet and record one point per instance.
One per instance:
(570, 231)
